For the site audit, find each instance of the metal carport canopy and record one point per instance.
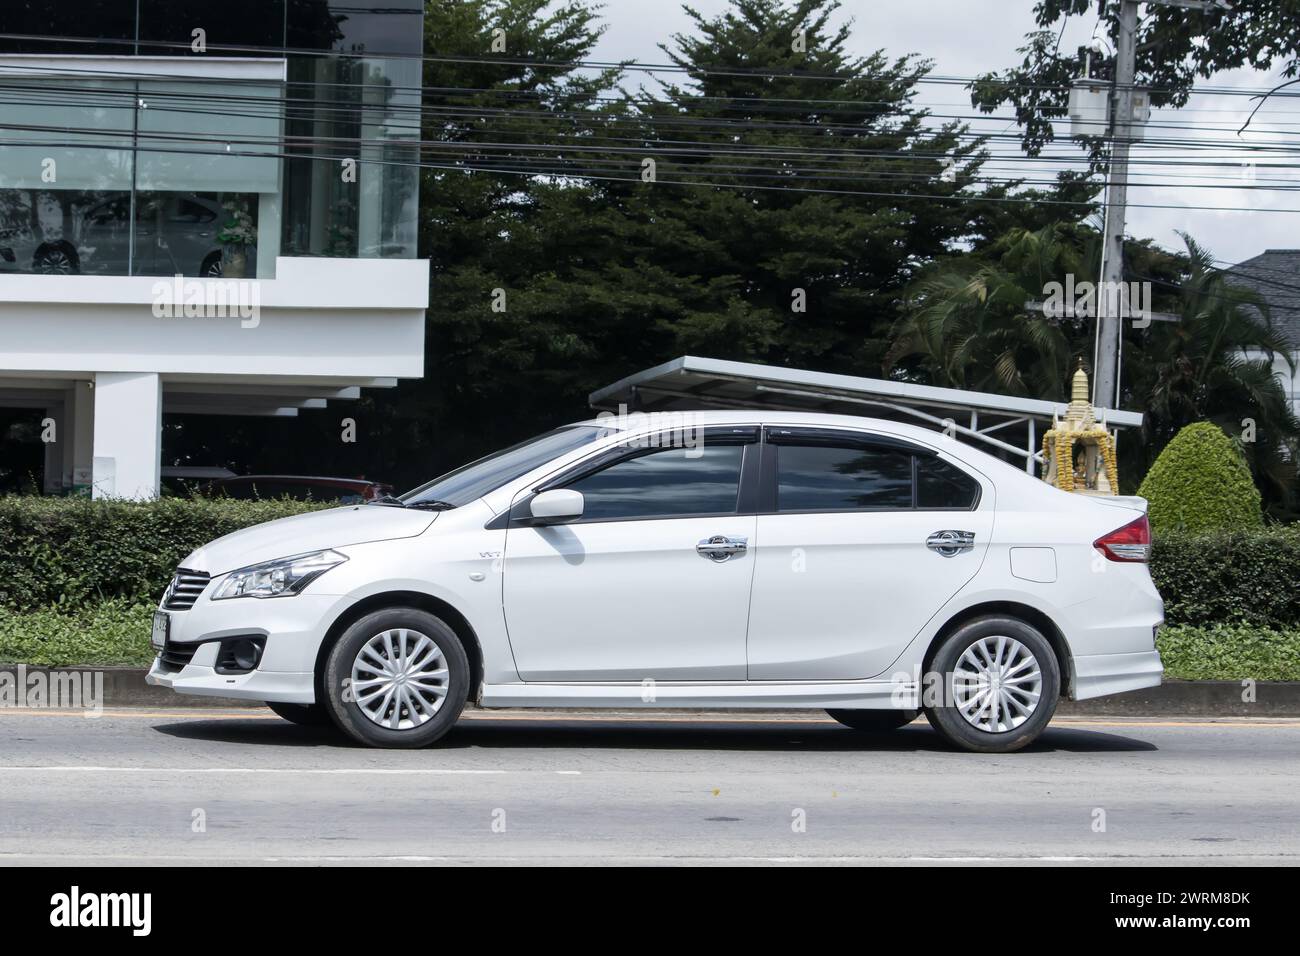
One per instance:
(689, 381)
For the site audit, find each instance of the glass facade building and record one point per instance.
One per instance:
(233, 134)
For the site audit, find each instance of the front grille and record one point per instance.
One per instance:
(175, 656)
(185, 589)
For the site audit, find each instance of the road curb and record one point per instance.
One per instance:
(125, 687)
(1194, 698)
(121, 687)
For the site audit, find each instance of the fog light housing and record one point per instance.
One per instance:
(239, 655)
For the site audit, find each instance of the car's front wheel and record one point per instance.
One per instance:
(874, 721)
(998, 682)
(397, 678)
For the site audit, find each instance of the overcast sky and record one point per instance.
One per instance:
(966, 37)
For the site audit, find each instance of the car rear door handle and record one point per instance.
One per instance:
(949, 543)
(721, 548)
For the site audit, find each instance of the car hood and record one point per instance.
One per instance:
(301, 534)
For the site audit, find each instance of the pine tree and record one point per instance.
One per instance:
(826, 188)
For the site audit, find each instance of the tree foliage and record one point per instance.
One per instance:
(965, 324)
(545, 287)
(1216, 363)
(1175, 47)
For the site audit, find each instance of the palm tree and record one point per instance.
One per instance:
(1216, 364)
(966, 324)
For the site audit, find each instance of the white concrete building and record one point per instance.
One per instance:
(225, 231)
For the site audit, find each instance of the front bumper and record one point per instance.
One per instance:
(292, 627)
(204, 681)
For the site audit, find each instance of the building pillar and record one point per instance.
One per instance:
(268, 234)
(78, 438)
(127, 435)
(52, 471)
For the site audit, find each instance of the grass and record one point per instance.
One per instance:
(114, 632)
(117, 632)
(1227, 652)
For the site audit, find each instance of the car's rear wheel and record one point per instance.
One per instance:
(874, 721)
(1000, 684)
(397, 678)
(309, 715)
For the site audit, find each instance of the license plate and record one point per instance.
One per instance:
(161, 626)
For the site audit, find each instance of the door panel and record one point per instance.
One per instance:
(652, 582)
(628, 600)
(855, 560)
(838, 596)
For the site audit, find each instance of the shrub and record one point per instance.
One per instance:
(1200, 482)
(1230, 577)
(74, 552)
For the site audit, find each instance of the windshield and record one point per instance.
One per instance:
(473, 481)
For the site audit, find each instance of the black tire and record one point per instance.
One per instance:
(341, 698)
(56, 258)
(874, 721)
(308, 715)
(943, 713)
(212, 267)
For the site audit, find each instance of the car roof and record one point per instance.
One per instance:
(749, 416)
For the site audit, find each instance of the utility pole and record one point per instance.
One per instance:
(1105, 380)
(1111, 303)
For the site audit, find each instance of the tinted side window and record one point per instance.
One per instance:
(842, 478)
(671, 482)
(941, 485)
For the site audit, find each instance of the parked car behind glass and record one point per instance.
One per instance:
(175, 234)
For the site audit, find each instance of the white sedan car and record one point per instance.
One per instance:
(713, 560)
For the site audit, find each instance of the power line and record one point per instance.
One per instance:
(282, 52)
(588, 174)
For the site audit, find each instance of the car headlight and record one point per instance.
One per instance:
(283, 577)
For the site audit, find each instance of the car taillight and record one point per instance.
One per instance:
(1129, 543)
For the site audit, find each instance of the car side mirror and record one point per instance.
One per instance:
(556, 506)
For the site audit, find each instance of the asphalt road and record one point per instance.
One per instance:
(134, 787)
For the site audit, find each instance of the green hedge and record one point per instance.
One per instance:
(1248, 578)
(75, 553)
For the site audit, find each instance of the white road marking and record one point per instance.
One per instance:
(615, 857)
(324, 771)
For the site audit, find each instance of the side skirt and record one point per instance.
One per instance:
(651, 695)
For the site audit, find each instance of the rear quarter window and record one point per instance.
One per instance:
(943, 486)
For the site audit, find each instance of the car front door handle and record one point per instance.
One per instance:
(949, 543)
(721, 548)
